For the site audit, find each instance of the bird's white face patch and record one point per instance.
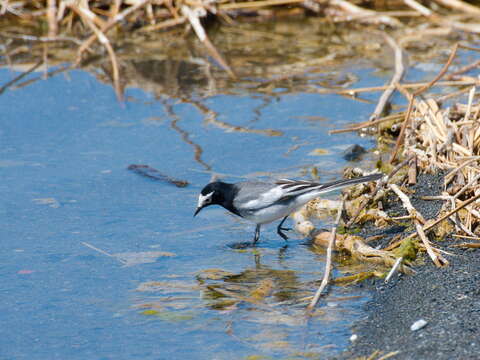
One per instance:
(204, 199)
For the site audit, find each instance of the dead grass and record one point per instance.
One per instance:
(433, 138)
(87, 24)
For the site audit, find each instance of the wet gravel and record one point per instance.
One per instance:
(448, 299)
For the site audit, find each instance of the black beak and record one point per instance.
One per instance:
(197, 210)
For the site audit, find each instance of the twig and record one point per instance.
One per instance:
(255, 4)
(52, 18)
(376, 14)
(437, 259)
(111, 22)
(26, 37)
(366, 124)
(450, 213)
(394, 269)
(96, 249)
(471, 135)
(452, 173)
(105, 42)
(460, 5)
(443, 20)
(115, 8)
(412, 171)
(103, 252)
(389, 355)
(466, 187)
(419, 7)
(164, 24)
(4, 7)
(21, 76)
(467, 237)
(397, 76)
(351, 8)
(457, 222)
(406, 122)
(193, 16)
(407, 203)
(435, 198)
(380, 184)
(328, 262)
(354, 91)
(463, 69)
(467, 47)
(455, 94)
(428, 227)
(468, 245)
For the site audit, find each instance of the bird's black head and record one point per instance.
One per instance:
(213, 193)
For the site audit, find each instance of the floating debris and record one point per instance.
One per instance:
(52, 202)
(152, 173)
(143, 257)
(318, 152)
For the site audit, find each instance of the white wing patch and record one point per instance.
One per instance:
(265, 199)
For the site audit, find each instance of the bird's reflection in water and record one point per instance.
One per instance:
(259, 286)
(241, 245)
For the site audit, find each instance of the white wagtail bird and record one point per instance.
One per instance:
(264, 202)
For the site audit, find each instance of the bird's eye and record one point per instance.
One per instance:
(206, 199)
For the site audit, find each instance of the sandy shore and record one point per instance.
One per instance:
(448, 299)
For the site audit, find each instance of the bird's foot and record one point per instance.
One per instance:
(280, 232)
(280, 228)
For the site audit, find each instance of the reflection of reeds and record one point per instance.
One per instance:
(186, 136)
(211, 117)
(16, 79)
(102, 21)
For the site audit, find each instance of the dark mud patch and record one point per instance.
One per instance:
(448, 299)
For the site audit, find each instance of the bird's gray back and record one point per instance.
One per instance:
(252, 194)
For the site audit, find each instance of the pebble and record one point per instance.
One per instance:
(417, 325)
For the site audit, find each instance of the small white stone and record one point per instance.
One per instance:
(353, 338)
(417, 325)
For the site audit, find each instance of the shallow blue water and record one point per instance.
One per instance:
(66, 194)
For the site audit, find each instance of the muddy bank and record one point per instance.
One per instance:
(448, 299)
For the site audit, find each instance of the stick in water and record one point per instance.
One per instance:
(328, 263)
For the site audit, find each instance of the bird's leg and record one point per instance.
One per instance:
(257, 234)
(280, 228)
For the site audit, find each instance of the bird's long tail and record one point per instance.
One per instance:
(295, 188)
